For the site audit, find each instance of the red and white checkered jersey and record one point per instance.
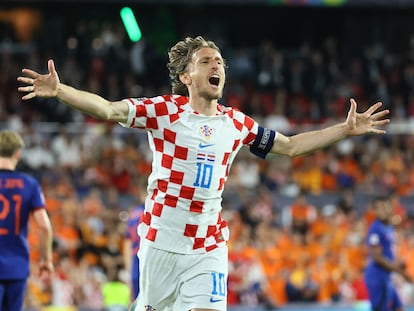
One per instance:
(192, 155)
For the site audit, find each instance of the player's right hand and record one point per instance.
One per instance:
(38, 85)
(45, 271)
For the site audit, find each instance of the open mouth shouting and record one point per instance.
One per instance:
(214, 80)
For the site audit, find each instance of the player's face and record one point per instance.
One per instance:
(383, 210)
(206, 74)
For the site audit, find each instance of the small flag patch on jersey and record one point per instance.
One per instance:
(206, 131)
(211, 157)
(206, 157)
(201, 156)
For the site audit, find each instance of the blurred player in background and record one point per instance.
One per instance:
(380, 240)
(20, 196)
(131, 247)
(194, 139)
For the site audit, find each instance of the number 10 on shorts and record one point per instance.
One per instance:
(219, 284)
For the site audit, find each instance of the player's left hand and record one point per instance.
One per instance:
(368, 121)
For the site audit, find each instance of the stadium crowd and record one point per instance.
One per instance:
(297, 226)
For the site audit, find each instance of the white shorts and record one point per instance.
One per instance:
(181, 282)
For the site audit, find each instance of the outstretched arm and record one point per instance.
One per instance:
(49, 85)
(355, 124)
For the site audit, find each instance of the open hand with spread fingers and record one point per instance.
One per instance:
(368, 121)
(39, 85)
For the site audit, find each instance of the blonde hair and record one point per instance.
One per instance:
(10, 143)
(180, 56)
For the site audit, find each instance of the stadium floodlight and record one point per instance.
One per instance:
(130, 24)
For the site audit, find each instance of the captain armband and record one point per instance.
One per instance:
(263, 142)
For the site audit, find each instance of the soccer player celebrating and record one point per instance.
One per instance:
(194, 140)
(380, 239)
(20, 195)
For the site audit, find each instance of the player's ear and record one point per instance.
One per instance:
(18, 153)
(185, 78)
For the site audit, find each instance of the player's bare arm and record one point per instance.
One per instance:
(49, 85)
(369, 121)
(392, 266)
(46, 239)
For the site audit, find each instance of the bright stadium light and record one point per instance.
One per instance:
(130, 24)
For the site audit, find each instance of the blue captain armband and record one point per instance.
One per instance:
(263, 142)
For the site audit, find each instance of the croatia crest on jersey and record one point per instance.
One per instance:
(206, 131)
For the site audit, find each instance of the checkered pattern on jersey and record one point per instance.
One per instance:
(183, 141)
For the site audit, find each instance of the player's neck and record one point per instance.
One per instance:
(204, 106)
(7, 164)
